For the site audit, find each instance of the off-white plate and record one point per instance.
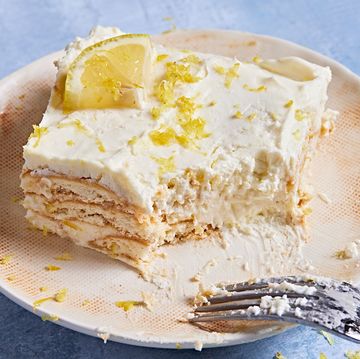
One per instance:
(100, 281)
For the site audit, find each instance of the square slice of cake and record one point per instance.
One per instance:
(143, 145)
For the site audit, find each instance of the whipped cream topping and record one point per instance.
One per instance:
(255, 118)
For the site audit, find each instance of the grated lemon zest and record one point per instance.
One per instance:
(64, 257)
(212, 103)
(133, 140)
(45, 230)
(52, 268)
(299, 115)
(178, 346)
(70, 143)
(43, 289)
(238, 114)
(77, 124)
(289, 104)
(11, 278)
(278, 355)
(255, 89)
(128, 304)
(192, 59)
(49, 317)
(352, 355)
(273, 116)
(100, 145)
(60, 295)
(161, 57)
(72, 225)
(341, 255)
(164, 136)
(85, 302)
(257, 59)
(322, 356)
(220, 69)
(5, 259)
(329, 338)
(155, 112)
(251, 117)
(38, 133)
(231, 74)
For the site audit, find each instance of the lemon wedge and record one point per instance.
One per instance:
(113, 73)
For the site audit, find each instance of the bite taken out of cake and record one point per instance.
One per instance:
(143, 145)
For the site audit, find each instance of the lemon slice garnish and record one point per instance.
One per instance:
(109, 74)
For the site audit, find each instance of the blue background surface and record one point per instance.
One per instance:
(30, 29)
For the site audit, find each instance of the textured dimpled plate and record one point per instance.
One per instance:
(95, 282)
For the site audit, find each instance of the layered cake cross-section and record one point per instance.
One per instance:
(143, 145)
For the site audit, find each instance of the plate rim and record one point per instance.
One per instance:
(11, 293)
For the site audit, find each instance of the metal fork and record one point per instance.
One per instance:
(317, 302)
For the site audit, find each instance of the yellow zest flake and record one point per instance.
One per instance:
(299, 115)
(45, 230)
(165, 164)
(341, 255)
(297, 135)
(194, 128)
(178, 346)
(322, 356)
(289, 104)
(41, 301)
(70, 143)
(11, 278)
(186, 106)
(38, 133)
(5, 259)
(85, 302)
(278, 355)
(164, 136)
(64, 257)
(164, 92)
(212, 103)
(128, 305)
(43, 289)
(257, 59)
(255, 89)
(220, 69)
(113, 248)
(307, 211)
(133, 140)
(60, 295)
(100, 145)
(161, 57)
(52, 268)
(251, 117)
(49, 317)
(328, 337)
(180, 72)
(238, 114)
(352, 355)
(79, 126)
(192, 59)
(71, 225)
(155, 112)
(273, 116)
(231, 73)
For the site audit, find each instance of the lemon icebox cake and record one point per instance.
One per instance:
(143, 145)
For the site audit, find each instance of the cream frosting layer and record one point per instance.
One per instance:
(255, 131)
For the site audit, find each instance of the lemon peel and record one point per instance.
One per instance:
(38, 132)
